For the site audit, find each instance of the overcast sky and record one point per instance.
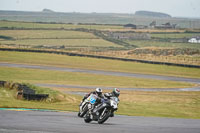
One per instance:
(181, 8)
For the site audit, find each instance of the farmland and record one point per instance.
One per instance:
(95, 40)
(39, 38)
(32, 25)
(174, 35)
(139, 103)
(39, 34)
(147, 43)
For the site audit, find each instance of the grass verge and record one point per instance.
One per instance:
(156, 104)
(132, 103)
(56, 100)
(162, 104)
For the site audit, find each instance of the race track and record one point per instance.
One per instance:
(60, 122)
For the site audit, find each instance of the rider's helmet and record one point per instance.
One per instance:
(99, 91)
(116, 92)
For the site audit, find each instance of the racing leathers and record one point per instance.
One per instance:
(99, 96)
(109, 95)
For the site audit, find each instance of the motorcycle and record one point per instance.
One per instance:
(102, 111)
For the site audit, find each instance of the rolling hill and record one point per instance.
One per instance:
(97, 18)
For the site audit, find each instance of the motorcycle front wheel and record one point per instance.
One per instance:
(84, 111)
(104, 116)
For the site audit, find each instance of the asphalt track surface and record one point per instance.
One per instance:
(110, 88)
(60, 122)
(124, 74)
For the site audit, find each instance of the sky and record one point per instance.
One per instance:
(176, 8)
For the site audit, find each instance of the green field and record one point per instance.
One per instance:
(53, 38)
(47, 34)
(10, 24)
(97, 64)
(66, 36)
(174, 35)
(61, 42)
(151, 43)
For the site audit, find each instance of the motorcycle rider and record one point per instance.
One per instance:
(97, 92)
(114, 93)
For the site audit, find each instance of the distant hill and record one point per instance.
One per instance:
(152, 14)
(97, 18)
(47, 10)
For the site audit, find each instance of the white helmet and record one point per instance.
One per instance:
(99, 91)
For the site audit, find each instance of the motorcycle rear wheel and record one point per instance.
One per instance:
(103, 117)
